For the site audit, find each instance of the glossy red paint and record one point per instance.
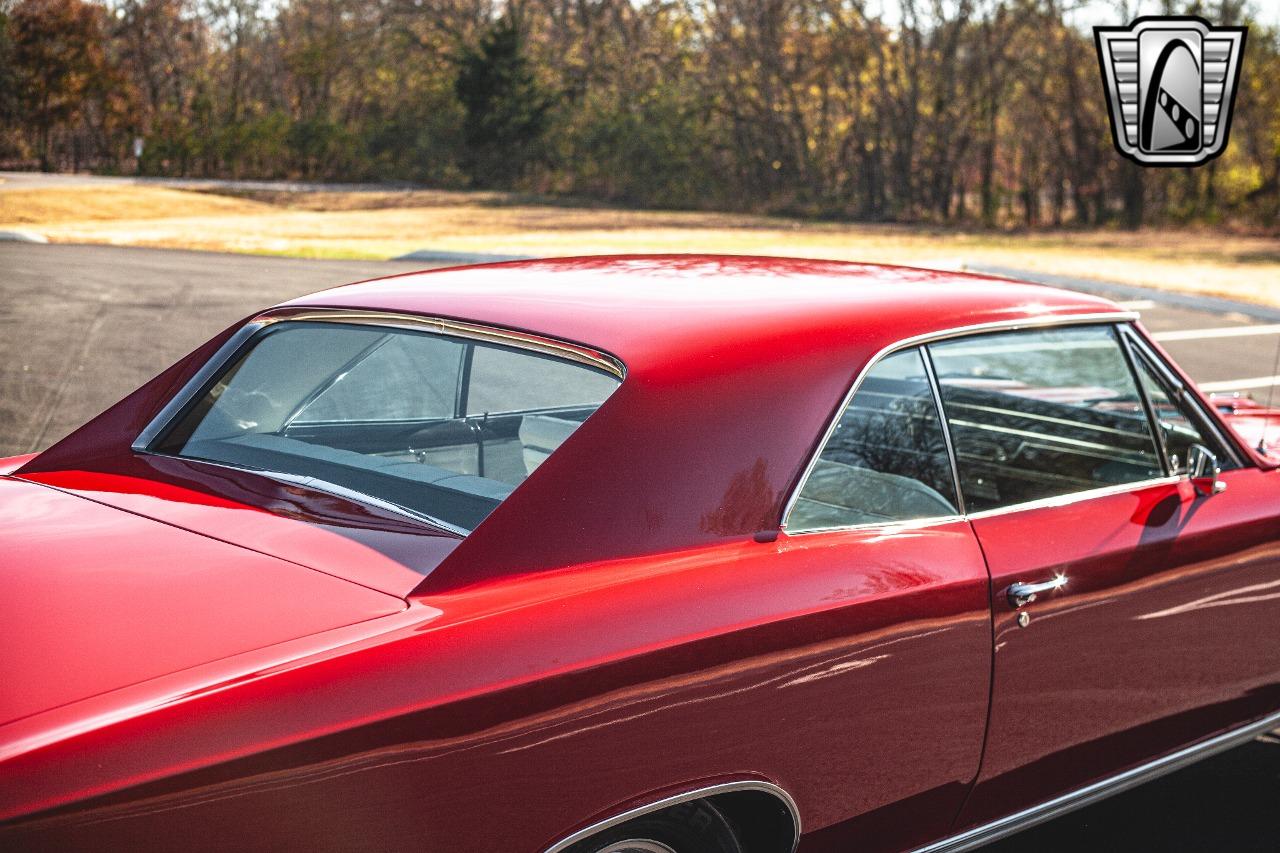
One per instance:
(363, 544)
(1150, 645)
(1257, 425)
(97, 599)
(12, 463)
(226, 662)
(431, 723)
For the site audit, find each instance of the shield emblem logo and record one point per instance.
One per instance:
(1171, 83)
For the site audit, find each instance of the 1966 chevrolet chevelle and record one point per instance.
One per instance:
(643, 554)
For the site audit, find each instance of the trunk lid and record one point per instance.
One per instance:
(97, 598)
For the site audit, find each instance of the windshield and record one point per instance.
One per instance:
(442, 426)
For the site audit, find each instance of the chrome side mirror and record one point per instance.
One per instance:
(1204, 471)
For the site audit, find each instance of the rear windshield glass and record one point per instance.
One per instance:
(444, 427)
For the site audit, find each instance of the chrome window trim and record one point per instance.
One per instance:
(1081, 797)
(1075, 497)
(386, 319)
(200, 380)
(195, 384)
(1040, 503)
(1113, 318)
(1136, 342)
(316, 484)
(1132, 358)
(456, 328)
(695, 794)
(935, 389)
(884, 526)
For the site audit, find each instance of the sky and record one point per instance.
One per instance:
(1094, 12)
(1089, 13)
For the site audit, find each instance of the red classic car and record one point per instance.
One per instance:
(647, 554)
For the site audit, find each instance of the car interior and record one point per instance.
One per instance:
(385, 413)
(1025, 425)
(886, 459)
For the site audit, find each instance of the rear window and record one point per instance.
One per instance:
(442, 426)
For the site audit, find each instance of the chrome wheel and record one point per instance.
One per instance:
(636, 845)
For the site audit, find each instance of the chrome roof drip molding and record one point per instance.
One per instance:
(442, 326)
(386, 319)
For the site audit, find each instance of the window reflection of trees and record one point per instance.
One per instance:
(887, 458)
(1012, 448)
(901, 435)
(1043, 413)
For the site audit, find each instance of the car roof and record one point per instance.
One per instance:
(649, 310)
(734, 368)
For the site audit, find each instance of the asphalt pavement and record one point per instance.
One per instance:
(82, 326)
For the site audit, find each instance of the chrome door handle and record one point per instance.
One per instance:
(1021, 594)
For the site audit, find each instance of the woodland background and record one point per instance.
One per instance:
(982, 113)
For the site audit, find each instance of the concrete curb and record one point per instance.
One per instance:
(460, 257)
(22, 237)
(1114, 290)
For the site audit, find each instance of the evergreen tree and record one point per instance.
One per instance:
(58, 61)
(507, 109)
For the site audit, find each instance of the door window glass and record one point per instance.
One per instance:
(887, 458)
(1036, 414)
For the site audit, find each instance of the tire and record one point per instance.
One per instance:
(695, 827)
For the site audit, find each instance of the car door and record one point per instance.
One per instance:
(903, 705)
(1150, 617)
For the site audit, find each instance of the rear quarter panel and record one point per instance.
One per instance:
(507, 715)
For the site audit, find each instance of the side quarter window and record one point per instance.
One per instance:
(886, 459)
(1041, 413)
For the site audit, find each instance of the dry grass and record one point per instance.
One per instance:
(372, 199)
(388, 224)
(63, 205)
